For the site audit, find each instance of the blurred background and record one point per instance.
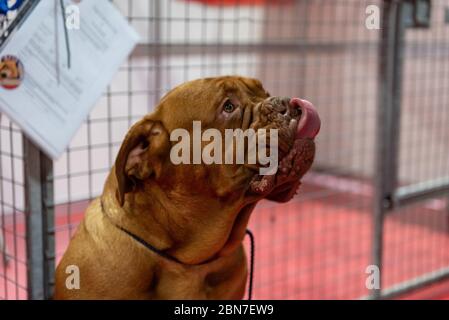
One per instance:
(378, 190)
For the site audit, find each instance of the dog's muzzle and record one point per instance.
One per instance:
(298, 124)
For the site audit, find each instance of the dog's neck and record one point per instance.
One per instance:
(191, 239)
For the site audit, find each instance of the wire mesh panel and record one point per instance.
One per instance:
(13, 258)
(418, 234)
(317, 245)
(424, 132)
(13, 248)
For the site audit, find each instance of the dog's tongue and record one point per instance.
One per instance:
(309, 123)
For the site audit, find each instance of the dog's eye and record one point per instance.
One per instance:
(228, 107)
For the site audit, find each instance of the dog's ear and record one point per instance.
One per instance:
(141, 155)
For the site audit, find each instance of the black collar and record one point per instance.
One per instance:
(149, 246)
(140, 240)
(171, 258)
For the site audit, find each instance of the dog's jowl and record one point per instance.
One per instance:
(165, 229)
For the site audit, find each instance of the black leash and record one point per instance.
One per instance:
(251, 267)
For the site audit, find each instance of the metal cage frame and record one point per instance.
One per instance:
(398, 17)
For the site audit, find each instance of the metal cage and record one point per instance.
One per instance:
(377, 193)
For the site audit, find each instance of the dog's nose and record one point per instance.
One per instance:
(309, 122)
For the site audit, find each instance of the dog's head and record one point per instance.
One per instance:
(9, 69)
(165, 153)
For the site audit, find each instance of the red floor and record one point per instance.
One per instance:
(314, 247)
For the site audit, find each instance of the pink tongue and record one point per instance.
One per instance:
(309, 123)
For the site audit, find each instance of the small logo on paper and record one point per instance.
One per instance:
(11, 72)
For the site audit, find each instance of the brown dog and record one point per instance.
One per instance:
(166, 231)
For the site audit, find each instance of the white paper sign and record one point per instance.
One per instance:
(51, 108)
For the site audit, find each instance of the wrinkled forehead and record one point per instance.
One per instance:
(244, 88)
(215, 88)
(198, 99)
(240, 86)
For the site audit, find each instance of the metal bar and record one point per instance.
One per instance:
(417, 49)
(390, 71)
(415, 283)
(48, 221)
(34, 223)
(382, 138)
(39, 222)
(412, 284)
(396, 96)
(156, 48)
(420, 191)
